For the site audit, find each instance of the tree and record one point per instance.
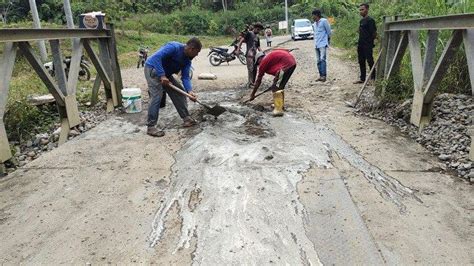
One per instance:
(5, 7)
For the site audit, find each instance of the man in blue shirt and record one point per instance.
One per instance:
(322, 37)
(170, 59)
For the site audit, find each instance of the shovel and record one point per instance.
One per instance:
(216, 111)
(354, 104)
(258, 94)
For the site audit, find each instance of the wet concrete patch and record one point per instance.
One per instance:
(249, 209)
(235, 182)
(256, 126)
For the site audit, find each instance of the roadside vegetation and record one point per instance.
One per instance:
(153, 23)
(457, 79)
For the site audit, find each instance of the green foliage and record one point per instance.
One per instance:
(198, 21)
(22, 119)
(401, 87)
(52, 11)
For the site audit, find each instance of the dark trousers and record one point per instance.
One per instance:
(282, 78)
(156, 92)
(365, 55)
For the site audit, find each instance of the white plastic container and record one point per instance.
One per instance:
(132, 100)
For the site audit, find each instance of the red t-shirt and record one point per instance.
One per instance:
(276, 61)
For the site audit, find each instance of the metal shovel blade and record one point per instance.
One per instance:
(216, 111)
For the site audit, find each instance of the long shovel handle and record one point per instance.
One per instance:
(368, 78)
(178, 90)
(258, 94)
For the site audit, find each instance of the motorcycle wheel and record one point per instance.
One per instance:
(242, 58)
(84, 73)
(215, 59)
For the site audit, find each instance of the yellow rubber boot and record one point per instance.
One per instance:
(278, 101)
(283, 93)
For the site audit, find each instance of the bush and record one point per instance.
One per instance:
(195, 21)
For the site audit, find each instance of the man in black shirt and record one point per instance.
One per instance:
(252, 41)
(365, 46)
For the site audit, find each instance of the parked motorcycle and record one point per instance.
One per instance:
(218, 55)
(84, 72)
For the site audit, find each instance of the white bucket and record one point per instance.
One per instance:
(132, 100)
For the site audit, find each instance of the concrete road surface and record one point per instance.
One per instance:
(320, 185)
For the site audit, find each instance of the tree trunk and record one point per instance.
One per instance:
(224, 5)
(68, 12)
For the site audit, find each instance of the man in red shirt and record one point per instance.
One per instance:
(281, 64)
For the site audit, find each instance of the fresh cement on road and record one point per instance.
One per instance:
(240, 175)
(319, 185)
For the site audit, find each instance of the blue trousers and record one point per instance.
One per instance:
(321, 61)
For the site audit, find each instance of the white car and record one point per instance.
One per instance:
(302, 29)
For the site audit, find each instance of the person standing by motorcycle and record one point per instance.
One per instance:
(142, 56)
(253, 45)
(269, 36)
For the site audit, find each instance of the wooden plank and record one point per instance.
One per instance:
(72, 110)
(450, 22)
(108, 84)
(5, 152)
(420, 116)
(394, 67)
(388, 55)
(430, 55)
(35, 62)
(97, 64)
(6, 69)
(65, 129)
(95, 91)
(468, 37)
(75, 66)
(383, 46)
(41, 99)
(391, 45)
(415, 55)
(3, 170)
(27, 35)
(107, 62)
(420, 111)
(471, 153)
(58, 60)
(115, 62)
(443, 64)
